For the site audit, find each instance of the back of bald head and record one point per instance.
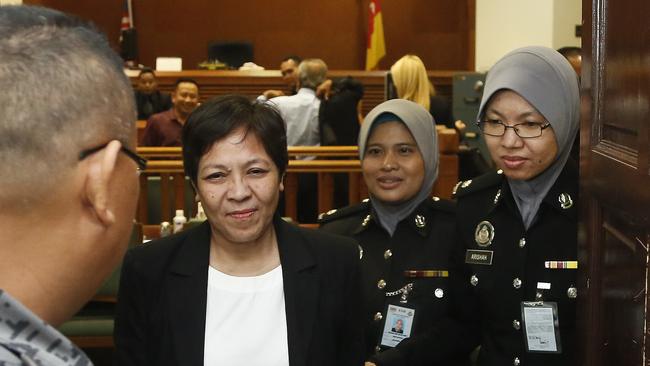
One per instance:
(311, 73)
(63, 90)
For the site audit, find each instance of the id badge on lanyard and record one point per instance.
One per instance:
(541, 326)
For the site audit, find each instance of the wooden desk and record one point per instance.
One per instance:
(253, 83)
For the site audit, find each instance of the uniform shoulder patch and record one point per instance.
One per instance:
(336, 214)
(487, 180)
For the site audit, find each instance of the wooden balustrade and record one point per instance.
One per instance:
(166, 163)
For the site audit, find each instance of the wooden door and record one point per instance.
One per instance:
(614, 231)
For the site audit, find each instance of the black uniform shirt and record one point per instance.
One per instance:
(519, 260)
(422, 241)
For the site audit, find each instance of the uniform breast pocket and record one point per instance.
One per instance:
(430, 290)
(563, 285)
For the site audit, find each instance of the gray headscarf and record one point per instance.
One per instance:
(421, 125)
(546, 80)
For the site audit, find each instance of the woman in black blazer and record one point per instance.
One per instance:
(245, 287)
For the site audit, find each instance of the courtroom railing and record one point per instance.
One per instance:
(166, 168)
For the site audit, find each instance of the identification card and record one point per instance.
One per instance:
(399, 321)
(541, 327)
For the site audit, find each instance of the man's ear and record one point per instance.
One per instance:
(97, 188)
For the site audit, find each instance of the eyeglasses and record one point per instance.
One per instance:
(139, 160)
(526, 130)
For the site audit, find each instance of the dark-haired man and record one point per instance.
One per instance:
(289, 70)
(68, 179)
(148, 98)
(164, 129)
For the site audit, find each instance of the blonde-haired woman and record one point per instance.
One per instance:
(412, 83)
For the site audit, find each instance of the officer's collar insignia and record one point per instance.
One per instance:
(497, 197)
(360, 252)
(420, 221)
(566, 202)
(466, 183)
(366, 220)
(453, 191)
(484, 233)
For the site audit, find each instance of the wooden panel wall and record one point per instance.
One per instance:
(439, 31)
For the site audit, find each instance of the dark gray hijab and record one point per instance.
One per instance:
(546, 80)
(421, 125)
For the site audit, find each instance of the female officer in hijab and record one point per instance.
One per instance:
(405, 234)
(518, 224)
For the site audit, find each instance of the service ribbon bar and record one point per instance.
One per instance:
(426, 273)
(561, 264)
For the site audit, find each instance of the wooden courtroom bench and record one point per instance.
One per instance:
(167, 164)
(253, 83)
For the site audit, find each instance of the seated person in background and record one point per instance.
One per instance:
(148, 98)
(289, 70)
(244, 287)
(412, 83)
(69, 181)
(164, 129)
(406, 237)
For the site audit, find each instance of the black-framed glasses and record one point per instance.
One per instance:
(526, 130)
(139, 160)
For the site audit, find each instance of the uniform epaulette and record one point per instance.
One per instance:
(486, 180)
(336, 214)
(442, 204)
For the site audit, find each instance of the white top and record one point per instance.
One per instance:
(300, 113)
(245, 322)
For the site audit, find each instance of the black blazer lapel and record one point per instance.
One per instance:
(187, 296)
(301, 290)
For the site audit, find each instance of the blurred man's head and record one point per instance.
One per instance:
(289, 70)
(312, 72)
(574, 56)
(147, 83)
(185, 97)
(69, 181)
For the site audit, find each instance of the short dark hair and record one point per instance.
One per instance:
(146, 70)
(293, 58)
(218, 117)
(185, 80)
(46, 55)
(569, 51)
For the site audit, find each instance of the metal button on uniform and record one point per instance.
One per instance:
(522, 242)
(377, 349)
(378, 316)
(516, 361)
(538, 296)
(388, 254)
(439, 293)
(516, 324)
(473, 280)
(381, 284)
(516, 283)
(572, 292)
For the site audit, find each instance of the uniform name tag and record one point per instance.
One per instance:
(476, 256)
(541, 327)
(399, 321)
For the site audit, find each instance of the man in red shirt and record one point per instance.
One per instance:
(164, 129)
